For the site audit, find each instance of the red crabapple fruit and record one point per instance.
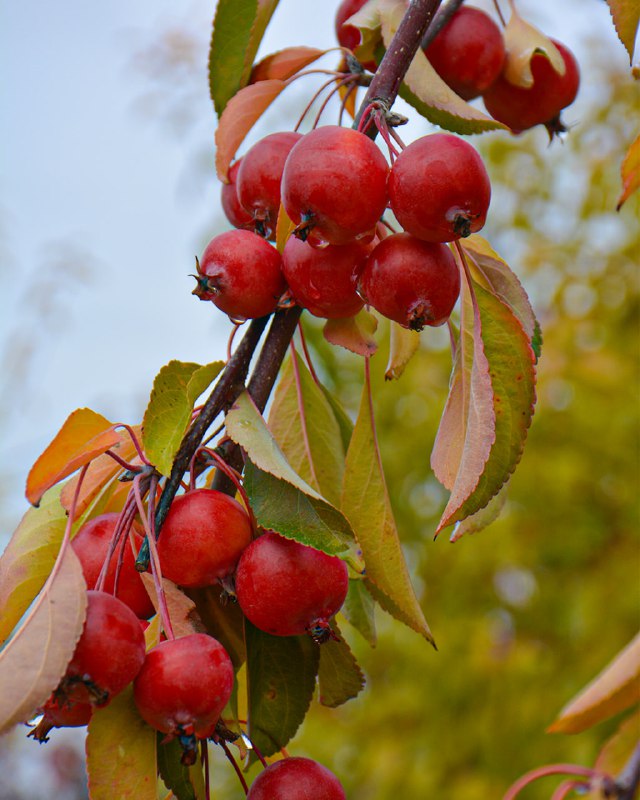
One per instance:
(183, 687)
(334, 186)
(57, 714)
(241, 274)
(521, 108)
(296, 778)
(468, 53)
(91, 545)
(202, 538)
(286, 588)
(413, 282)
(324, 281)
(439, 189)
(259, 178)
(234, 212)
(108, 655)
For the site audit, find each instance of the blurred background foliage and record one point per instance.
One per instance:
(528, 611)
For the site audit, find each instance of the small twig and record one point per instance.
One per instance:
(445, 12)
(628, 781)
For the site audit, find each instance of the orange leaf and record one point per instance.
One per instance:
(238, 117)
(284, 228)
(285, 63)
(182, 610)
(36, 657)
(625, 15)
(630, 171)
(353, 333)
(616, 688)
(83, 436)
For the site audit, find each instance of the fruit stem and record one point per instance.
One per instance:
(307, 356)
(234, 764)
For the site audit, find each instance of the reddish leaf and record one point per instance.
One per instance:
(353, 333)
(36, 657)
(630, 172)
(616, 688)
(83, 436)
(285, 63)
(182, 610)
(483, 518)
(523, 41)
(239, 116)
(626, 16)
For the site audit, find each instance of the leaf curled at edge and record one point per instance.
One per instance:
(285, 63)
(83, 436)
(238, 28)
(339, 676)
(616, 688)
(175, 390)
(367, 20)
(186, 783)
(522, 41)
(630, 173)
(121, 752)
(403, 345)
(239, 116)
(365, 501)
(36, 657)
(281, 678)
(182, 609)
(353, 333)
(626, 17)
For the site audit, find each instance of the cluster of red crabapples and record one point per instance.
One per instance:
(182, 685)
(469, 55)
(335, 185)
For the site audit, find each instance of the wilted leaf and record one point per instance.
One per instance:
(175, 390)
(630, 172)
(186, 783)
(523, 41)
(182, 609)
(626, 16)
(305, 427)
(403, 345)
(238, 28)
(83, 436)
(121, 752)
(359, 610)
(36, 657)
(367, 20)
(339, 676)
(285, 63)
(366, 503)
(281, 678)
(353, 333)
(28, 559)
(481, 519)
(425, 90)
(617, 687)
(240, 115)
(223, 619)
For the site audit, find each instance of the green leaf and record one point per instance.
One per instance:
(186, 783)
(238, 28)
(342, 418)
(510, 398)
(223, 620)
(339, 676)
(626, 17)
(175, 390)
(483, 518)
(304, 425)
(121, 752)
(281, 678)
(353, 333)
(359, 610)
(403, 345)
(365, 501)
(425, 90)
(28, 559)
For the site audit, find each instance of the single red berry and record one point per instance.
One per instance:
(296, 779)
(108, 655)
(202, 538)
(286, 588)
(334, 186)
(241, 274)
(324, 281)
(348, 35)
(521, 108)
(91, 545)
(60, 714)
(439, 189)
(259, 179)
(413, 282)
(234, 212)
(182, 688)
(468, 53)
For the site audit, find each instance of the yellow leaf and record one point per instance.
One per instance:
(403, 345)
(617, 687)
(83, 436)
(630, 171)
(626, 16)
(523, 41)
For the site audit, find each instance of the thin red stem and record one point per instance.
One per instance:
(566, 787)
(235, 478)
(336, 88)
(234, 764)
(124, 464)
(307, 357)
(343, 105)
(204, 750)
(499, 12)
(314, 98)
(135, 441)
(542, 772)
